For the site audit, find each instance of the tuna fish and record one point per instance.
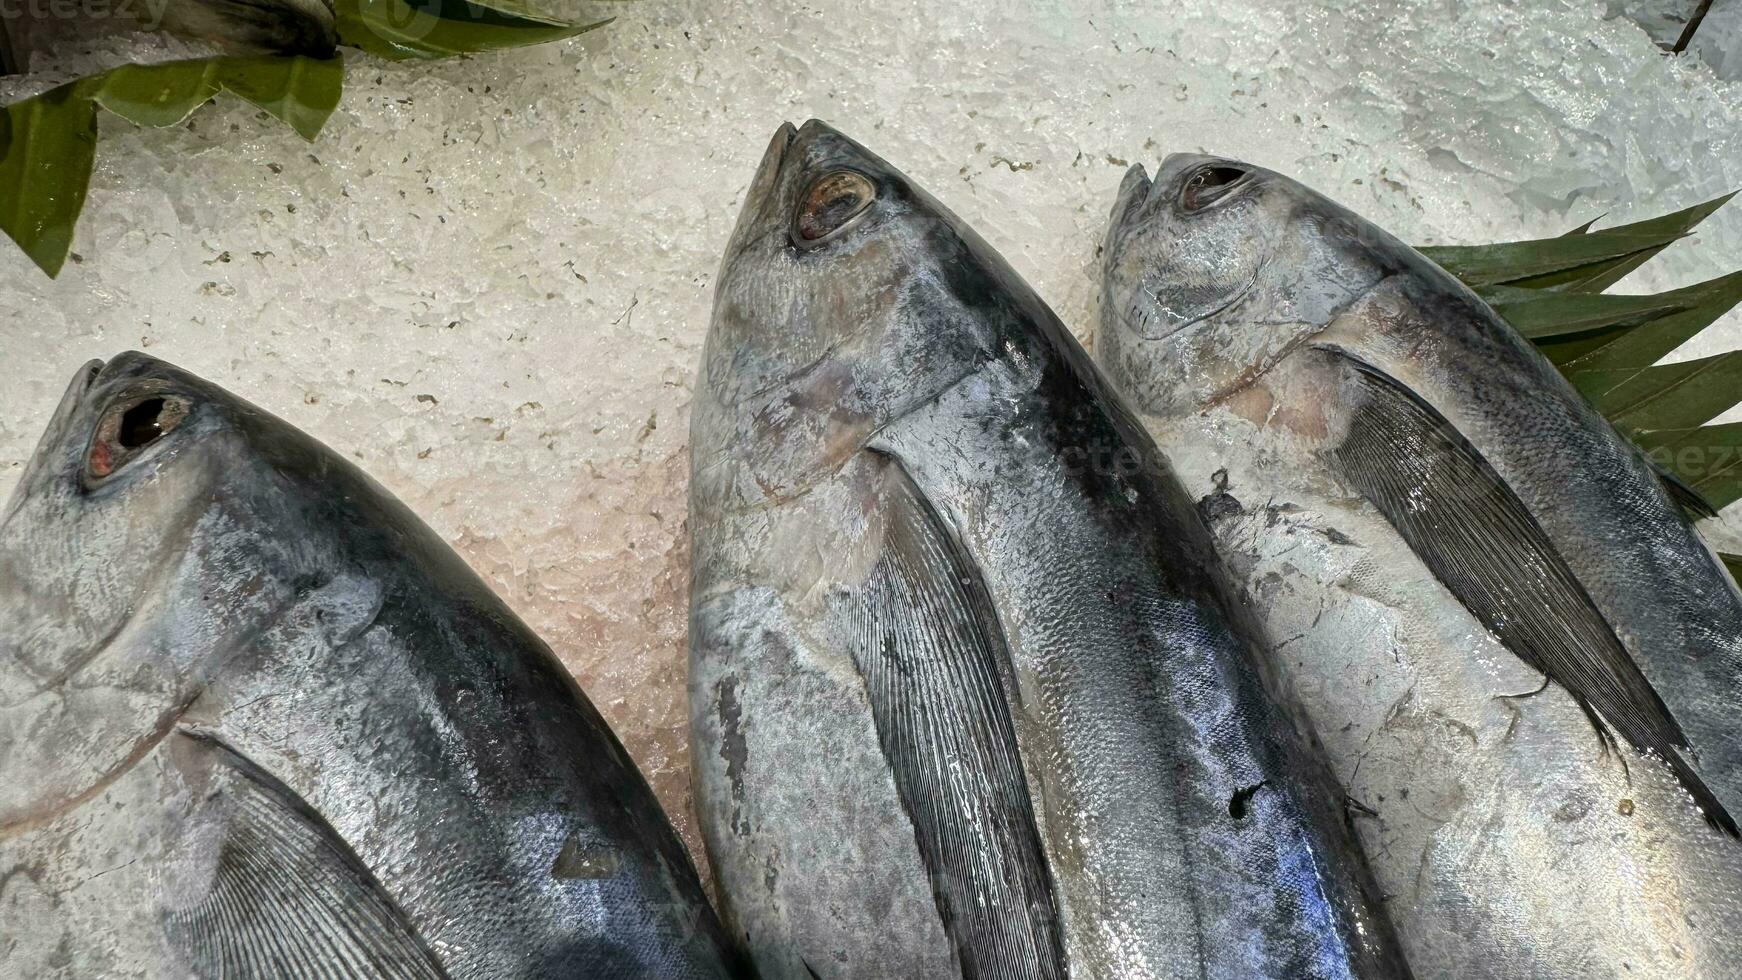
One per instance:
(257, 721)
(1433, 521)
(967, 695)
(291, 27)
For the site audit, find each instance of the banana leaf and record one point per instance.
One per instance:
(48, 143)
(403, 29)
(1734, 564)
(1542, 313)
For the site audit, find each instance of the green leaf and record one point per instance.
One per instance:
(1587, 262)
(1625, 345)
(299, 91)
(1707, 458)
(48, 143)
(1545, 313)
(402, 29)
(1667, 228)
(1550, 290)
(1542, 262)
(1670, 396)
(1734, 564)
(47, 147)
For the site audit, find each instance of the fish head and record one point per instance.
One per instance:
(1215, 269)
(125, 557)
(846, 296)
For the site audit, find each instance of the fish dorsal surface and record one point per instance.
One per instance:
(263, 722)
(963, 676)
(1432, 522)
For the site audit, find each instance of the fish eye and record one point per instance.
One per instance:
(130, 427)
(831, 203)
(1209, 185)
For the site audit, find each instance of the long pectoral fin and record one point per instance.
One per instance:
(1476, 536)
(285, 897)
(924, 637)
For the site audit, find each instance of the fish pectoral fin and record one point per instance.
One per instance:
(1478, 538)
(283, 896)
(925, 639)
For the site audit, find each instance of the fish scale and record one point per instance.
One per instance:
(1414, 499)
(261, 722)
(1066, 761)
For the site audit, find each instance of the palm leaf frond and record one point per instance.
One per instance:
(1608, 346)
(1581, 261)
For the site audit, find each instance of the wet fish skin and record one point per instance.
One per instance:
(1248, 333)
(891, 428)
(291, 27)
(236, 666)
(288, 27)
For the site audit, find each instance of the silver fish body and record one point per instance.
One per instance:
(288, 27)
(1431, 520)
(258, 721)
(967, 696)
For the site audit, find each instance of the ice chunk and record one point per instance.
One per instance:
(1717, 39)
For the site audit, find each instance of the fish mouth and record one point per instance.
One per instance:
(764, 212)
(753, 217)
(1129, 201)
(83, 381)
(773, 159)
(54, 434)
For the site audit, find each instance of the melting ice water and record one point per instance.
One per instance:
(488, 281)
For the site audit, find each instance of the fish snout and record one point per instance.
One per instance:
(56, 439)
(819, 148)
(133, 366)
(759, 212)
(816, 131)
(768, 170)
(1128, 202)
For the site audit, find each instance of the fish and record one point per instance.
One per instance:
(257, 720)
(1488, 600)
(288, 27)
(967, 695)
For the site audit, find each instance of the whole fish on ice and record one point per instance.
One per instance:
(1431, 520)
(967, 697)
(257, 721)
